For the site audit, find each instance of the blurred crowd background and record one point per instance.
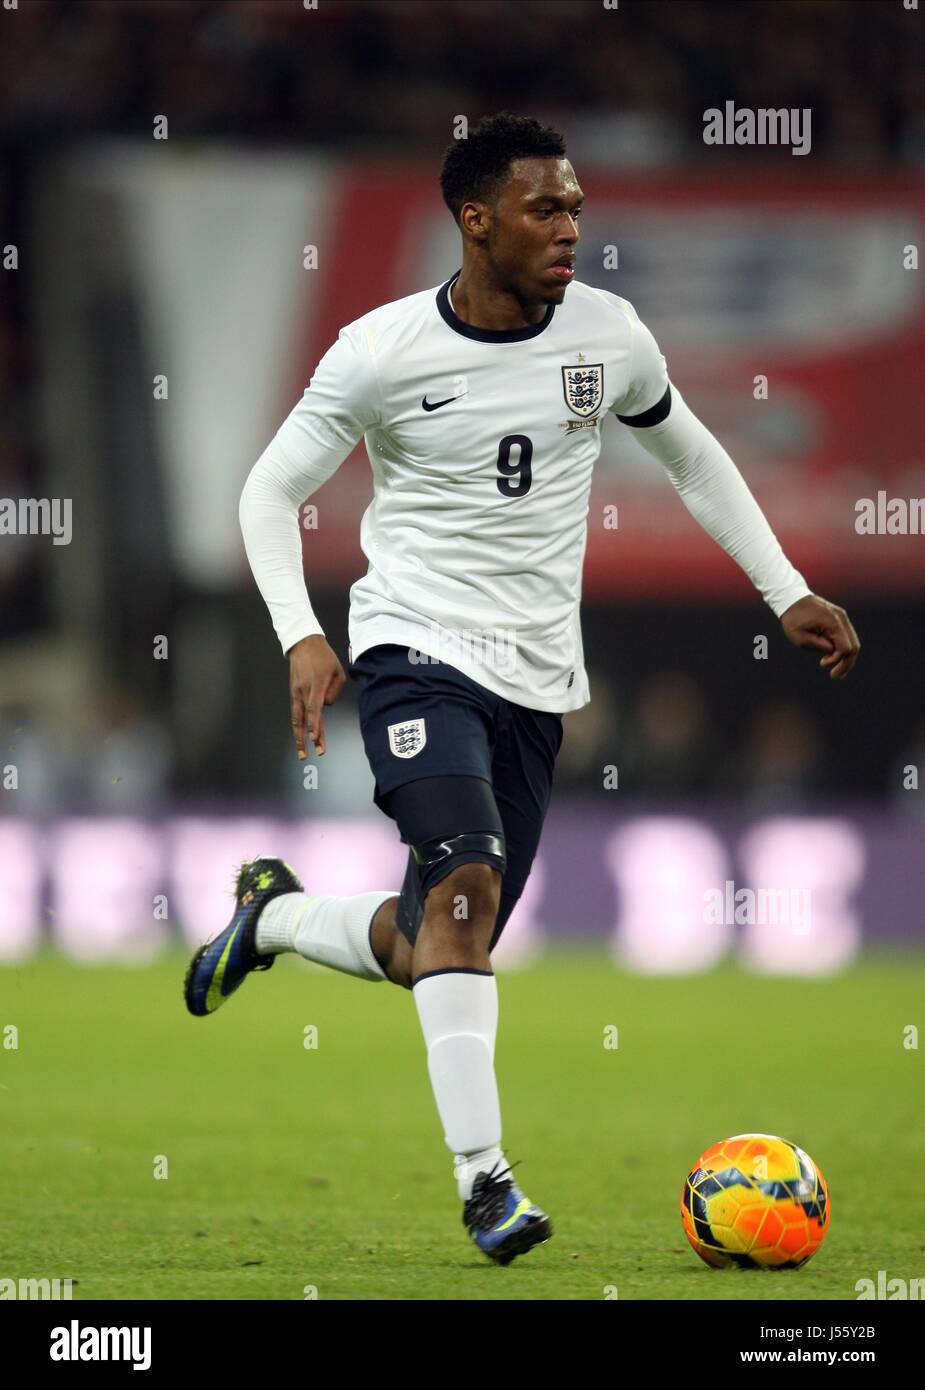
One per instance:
(370, 74)
(266, 97)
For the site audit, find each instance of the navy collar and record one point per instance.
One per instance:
(486, 335)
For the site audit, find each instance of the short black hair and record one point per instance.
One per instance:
(474, 168)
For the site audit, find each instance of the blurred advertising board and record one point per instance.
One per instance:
(664, 892)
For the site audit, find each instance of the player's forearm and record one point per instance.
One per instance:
(717, 496)
(269, 516)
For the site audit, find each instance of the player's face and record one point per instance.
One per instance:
(534, 230)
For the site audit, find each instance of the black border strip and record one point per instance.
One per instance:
(653, 416)
(486, 335)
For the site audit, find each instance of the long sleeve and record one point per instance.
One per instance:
(717, 496)
(341, 402)
(706, 479)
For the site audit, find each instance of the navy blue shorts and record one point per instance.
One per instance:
(424, 722)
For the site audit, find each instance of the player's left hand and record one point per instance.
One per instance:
(814, 622)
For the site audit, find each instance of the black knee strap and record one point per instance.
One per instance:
(430, 854)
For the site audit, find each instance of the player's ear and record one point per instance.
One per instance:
(474, 220)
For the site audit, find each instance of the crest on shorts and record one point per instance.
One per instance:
(407, 739)
(584, 389)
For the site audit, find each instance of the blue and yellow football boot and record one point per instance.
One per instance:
(501, 1220)
(219, 967)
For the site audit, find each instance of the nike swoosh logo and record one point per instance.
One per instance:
(435, 405)
(216, 993)
(522, 1206)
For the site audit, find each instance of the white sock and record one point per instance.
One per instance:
(458, 1010)
(331, 931)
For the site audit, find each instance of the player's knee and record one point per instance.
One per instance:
(469, 893)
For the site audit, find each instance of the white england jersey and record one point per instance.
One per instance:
(482, 445)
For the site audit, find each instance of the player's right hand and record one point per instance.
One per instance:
(316, 678)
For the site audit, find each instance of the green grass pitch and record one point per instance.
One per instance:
(325, 1167)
